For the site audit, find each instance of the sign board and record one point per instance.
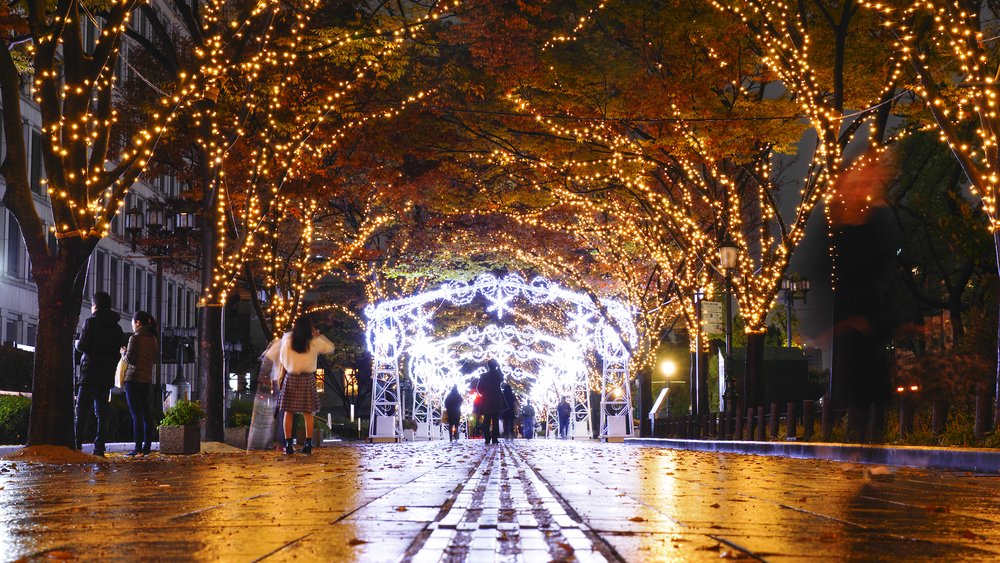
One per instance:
(713, 318)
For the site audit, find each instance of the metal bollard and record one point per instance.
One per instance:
(760, 423)
(713, 425)
(773, 430)
(905, 417)
(790, 420)
(808, 416)
(827, 422)
(750, 423)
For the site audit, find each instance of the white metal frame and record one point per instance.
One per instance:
(403, 327)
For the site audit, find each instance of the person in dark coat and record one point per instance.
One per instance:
(100, 345)
(563, 410)
(508, 415)
(492, 401)
(453, 405)
(528, 412)
(141, 354)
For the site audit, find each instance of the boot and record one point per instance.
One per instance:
(288, 446)
(308, 447)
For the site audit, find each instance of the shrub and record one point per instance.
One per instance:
(14, 419)
(183, 414)
(239, 413)
(15, 369)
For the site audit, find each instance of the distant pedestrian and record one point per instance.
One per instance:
(528, 412)
(563, 410)
(100, 344)
(509, 414)
(141, 353)
(492, 401)
(297, 355)
(453, 406)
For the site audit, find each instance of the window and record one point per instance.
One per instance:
(140, 275)
(30, 333)
(35, 178)
(89, 35)
(100, 259)
(11, 328)
(170, 305)
(150, 288)
(113, 280)
(14, 262)
(190, 315)
(127, 287)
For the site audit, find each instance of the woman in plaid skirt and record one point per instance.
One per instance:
(297, 354)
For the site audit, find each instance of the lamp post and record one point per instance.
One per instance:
(728, 260)
(160, 224)
(793, 289)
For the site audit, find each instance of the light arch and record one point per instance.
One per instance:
(402, 330)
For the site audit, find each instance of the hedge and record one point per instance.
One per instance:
(14, 419)
(15, 369)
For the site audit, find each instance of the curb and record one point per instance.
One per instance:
(110, 447)
(977, 460)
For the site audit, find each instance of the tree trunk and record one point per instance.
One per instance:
(753, 382)
(59, 301)
(996, 386)
(211, 372)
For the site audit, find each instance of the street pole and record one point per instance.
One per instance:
(159, 334)
(788, 317)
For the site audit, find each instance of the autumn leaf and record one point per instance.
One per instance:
(637, 519)
(401, 509)
(356, 541)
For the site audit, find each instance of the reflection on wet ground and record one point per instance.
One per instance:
(526, 501)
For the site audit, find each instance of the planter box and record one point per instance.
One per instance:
(181, 439)
(237, 437)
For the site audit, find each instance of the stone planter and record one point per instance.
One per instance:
(237, 437)
(182, 439)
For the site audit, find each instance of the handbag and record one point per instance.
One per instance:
(120, 372)
(261, 433)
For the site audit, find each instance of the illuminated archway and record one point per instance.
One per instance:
(403, 329)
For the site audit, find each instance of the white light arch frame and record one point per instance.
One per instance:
(397, 326)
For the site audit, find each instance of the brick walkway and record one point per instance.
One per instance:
(527, 501)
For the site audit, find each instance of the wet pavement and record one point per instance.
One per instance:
(523, 501)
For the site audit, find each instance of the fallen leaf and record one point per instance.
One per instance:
(967, 534)
(714, 505)
(401, 509)
(937, 509)
(356, 541)
(637, 519)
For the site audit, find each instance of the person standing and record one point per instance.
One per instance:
(563, 410)
(492, 401)
(509, 414)
(140, 355)
(528, 413)
(297, 353)
(453, 406)
(100, 345)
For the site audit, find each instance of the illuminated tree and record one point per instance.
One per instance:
(949, 47)
(87, 172)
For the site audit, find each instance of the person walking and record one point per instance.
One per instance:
(140, 355)
(492, 405)
(528, 414)
(100, 345)
(563, 410)
(297, 354)
(453, 406)
(509, 414)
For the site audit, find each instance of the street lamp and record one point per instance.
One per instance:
(792, 289)
(160, 223)
(728, 260)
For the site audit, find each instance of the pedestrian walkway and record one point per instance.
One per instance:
(504, 512)
(521, 501)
